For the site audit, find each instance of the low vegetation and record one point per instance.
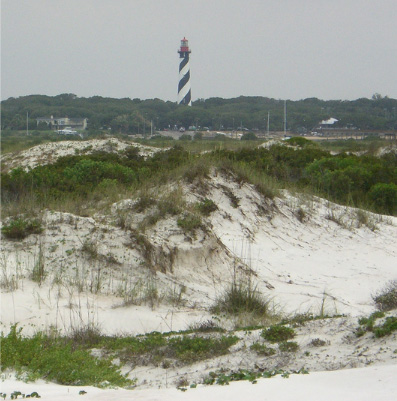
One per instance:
(87, 180)
(58, 360)
(386, 299)
(222, 378)
(68, 359)
(386, 327)
(278, 333)
(241, 298)
(262, 349)
(19, 228)
(288, 346)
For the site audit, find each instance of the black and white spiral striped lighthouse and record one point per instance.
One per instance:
(184, 91)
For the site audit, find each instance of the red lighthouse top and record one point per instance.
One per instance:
(184, 46)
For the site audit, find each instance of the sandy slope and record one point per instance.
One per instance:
(49, 152)
(305, 254)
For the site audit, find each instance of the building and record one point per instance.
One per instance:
(67, 131)
(59, 123)
(330, 123)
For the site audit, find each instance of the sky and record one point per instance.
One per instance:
(283, 49)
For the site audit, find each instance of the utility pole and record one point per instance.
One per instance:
(268, 121)
(285, 117)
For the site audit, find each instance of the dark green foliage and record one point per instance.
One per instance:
(368, 325)
(364, 181)
(384, 197)
(288, 346)
(278, 333)
(206, 207)
(240, 298)
(20, 228)
(386, 299)
(262, 349)
(300, 141)
(68, 360)
(57, 360)
(190, 349)
(219, 377)
(249, 136)
(156, 347)
(135, 116)
(386, 328)
(189, 223)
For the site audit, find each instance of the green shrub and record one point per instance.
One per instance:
(206, 207)
(288, 346)
(387, 327)
(249, 136)
(367, 324)
(386, 299)
(262, 349)
(198, 170)
(20, 228)
(189, 223)
(58, 360)
(300, 141)
(384, 197)
(278, 333)
(317, 342)
(191, 349)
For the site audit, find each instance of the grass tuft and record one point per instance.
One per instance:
(241, 298)
(19, 228)
(386, 299)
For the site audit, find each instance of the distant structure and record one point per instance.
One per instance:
(184, 91)
(330, 123)
(59, 123)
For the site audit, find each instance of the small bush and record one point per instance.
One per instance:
(90, 249)
(277, 333)
(300, 215)
(317, 342)
(288, 346)
(191, 349)
(384, 197)
(206, 207)
(21, 228)
(196, 171)
(386, 299)
(367, 324)
(240, 298)
(262, 349)
(387, 327)
(207, 326)
(144, 202)
(189, 223)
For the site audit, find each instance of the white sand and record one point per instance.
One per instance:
(369, 384)
(326, 263)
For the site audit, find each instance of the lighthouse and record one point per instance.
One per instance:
(184, 92)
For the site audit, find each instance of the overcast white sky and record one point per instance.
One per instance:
(287, 49)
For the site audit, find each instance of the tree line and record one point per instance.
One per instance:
(136, 116)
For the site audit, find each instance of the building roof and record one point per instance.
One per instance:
(330, 121)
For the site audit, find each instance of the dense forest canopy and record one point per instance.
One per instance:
(134, 115)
